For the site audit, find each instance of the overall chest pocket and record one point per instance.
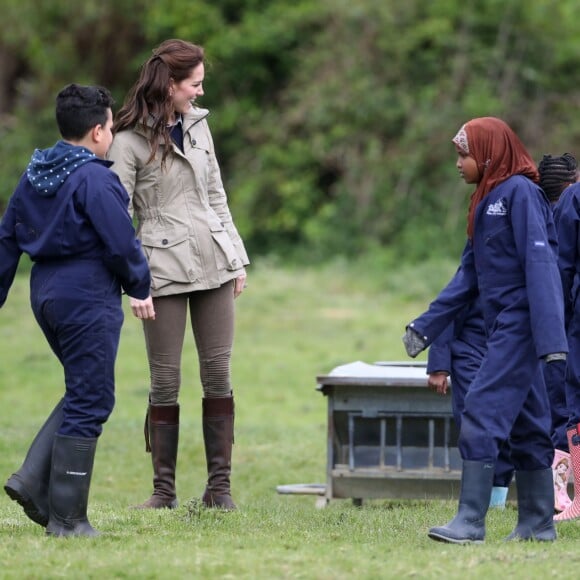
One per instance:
(170, 256)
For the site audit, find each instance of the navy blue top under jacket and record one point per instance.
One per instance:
(511, 262)
(70, 205)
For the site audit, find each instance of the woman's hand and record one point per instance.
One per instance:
(239, 284)
(143, 308)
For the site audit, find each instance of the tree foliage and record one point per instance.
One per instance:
(332, 118)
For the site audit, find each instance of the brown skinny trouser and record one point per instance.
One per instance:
(212, 321)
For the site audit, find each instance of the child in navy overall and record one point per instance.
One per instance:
(457, 353)
(557, 172)
(567, 217)
(510, 261)
(69, 213)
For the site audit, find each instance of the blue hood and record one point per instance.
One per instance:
(49, 168)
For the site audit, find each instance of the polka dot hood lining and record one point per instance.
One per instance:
(49, 168)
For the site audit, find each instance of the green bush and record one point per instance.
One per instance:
(332, 119)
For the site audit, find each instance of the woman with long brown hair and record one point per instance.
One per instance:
(164, 154)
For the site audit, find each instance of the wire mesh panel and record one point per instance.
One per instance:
(394, 440)
(388, 434)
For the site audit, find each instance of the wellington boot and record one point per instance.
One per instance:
(218, 435)
(29, 485)
(561, 467)
(70, 482)
(468, 526)
(535, 506)
(573, 510)
(498, 497)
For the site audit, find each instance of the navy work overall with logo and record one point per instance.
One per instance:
(511, 262)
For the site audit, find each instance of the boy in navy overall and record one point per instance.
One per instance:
(69, 214)
(510, 260)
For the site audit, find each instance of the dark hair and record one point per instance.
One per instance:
(556, 174)
(80, 108)
(148, 101)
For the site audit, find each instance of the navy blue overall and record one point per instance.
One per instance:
(511, 262)
(459, 351)
(567, 218)
(81, 239)
(555, 378)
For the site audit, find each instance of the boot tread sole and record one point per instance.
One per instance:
(18, 494)
(462, 541)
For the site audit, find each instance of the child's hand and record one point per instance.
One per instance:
(438, 382)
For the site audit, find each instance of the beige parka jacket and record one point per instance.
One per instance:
(183, 219)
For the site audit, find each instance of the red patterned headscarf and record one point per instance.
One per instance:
(499, 154)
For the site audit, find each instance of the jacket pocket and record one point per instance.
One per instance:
(226, 254)
(170, 256)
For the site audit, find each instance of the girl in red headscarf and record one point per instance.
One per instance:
(510, 261)
(495, 153)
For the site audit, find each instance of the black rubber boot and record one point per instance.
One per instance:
(162, 439)
(70, 482)
(468, 526)
(535, 506)
(218, 435)
(29, 485)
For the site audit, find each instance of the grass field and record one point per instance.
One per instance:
(292, 326)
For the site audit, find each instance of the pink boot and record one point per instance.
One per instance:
(561, 472)
(573, 510)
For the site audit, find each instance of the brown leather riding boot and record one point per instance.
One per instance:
(218, 435)
(161, 439)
